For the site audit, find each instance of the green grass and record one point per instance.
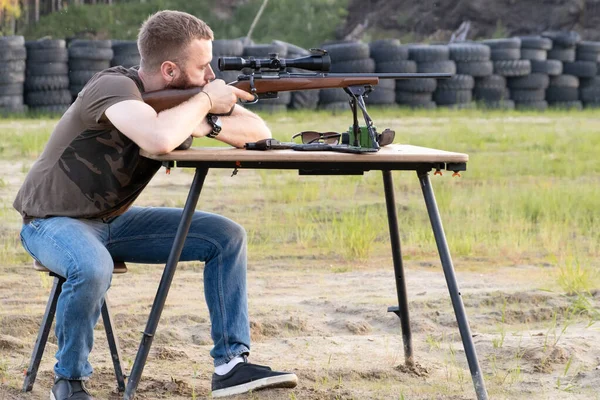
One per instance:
(529, 194)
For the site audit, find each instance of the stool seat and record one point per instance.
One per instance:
(119, 267)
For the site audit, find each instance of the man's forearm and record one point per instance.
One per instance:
(238, 128)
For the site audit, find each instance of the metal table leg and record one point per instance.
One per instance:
(402, 310)
(165, 283)
(457, 304)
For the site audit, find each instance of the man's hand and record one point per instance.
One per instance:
(223, 97)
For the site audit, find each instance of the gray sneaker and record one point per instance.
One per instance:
(246, 377)
(64, 389)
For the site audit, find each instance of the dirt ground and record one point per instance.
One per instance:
(327, 321)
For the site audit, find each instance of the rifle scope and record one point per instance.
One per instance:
(318, 61)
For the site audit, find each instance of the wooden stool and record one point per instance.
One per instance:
(40, 342)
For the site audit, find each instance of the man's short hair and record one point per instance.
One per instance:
(166, 35)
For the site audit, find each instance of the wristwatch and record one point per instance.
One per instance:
(215, 122)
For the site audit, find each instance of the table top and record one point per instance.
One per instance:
(395, 153)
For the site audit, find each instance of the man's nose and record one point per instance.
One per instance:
(210, 74)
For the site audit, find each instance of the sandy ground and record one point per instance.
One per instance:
(330, 326)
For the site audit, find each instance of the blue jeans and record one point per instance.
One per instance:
(82, 251)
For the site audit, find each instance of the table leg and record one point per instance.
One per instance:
(402, 310)
(457, 304)
(165, 283)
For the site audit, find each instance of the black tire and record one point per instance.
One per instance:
(457, 82)
(401, 66)
(497, 105)
(469, 52)
(47, 69)
(420, 85)
(504, 43)
(11, 42)
(11, 101)
(587, 94)
(587, 56)
(381, 96)
(526, 95)
(304, 100)
(505, 54)
(48, 55)
(126, 61)
(587, 82)
(387, 84)
(428, 53)
(126, 48)
(549, 67)
(531, 81)
(387, 50)
(588, 47)
(491, 82)
(560, 94)
(532, 105)
(366, 65)
(13, 54)
(562, 38)
(93, 65)
(45, 44)
(347, 51)
(334, 95)
(581, 69)
(534, 54)
(491, 94)
(567, 105)
(591, 106)
(413, 98)
(95, 44)
(12, 66)
(447, 97)
(9, 111)
(293, 51)
(535, 42)
(48, 82)
(11, 78)
(91, 53)
(335, 107)
(47, 98)
(75, 89)
(442, 67)
(560, 54)
(428, 105)
(12, 89)
(512, 67)
(263, 50)
(475, 68)
(564, 81)
(81, 77)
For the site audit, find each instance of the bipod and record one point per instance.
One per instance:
(357, 94)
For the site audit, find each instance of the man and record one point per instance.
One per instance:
(76, 201)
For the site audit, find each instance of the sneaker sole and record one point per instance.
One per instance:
(281, 381)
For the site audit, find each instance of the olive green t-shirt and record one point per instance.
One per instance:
(88, 168)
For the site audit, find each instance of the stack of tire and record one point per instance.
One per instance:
(12, 74)
(473, 69)
(529, 91)
(414, 93)
(300, 99)
(283, 98)
(226, 48)
(87, 58)
(125, 53)
(47, 81)
(346, 57)
(589, 87)
(506, 58)
(390, 57)
(436, 59)
(563, 91)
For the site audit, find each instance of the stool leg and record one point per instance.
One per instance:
(113, 344)
(42, 338)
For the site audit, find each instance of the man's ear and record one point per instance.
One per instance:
(169, 71)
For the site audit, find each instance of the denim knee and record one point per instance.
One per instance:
(95, 274)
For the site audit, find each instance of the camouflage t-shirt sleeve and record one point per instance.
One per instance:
(104, 92)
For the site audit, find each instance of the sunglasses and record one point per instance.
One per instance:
(308, 137)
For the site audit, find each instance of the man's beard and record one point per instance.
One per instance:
(182, 82)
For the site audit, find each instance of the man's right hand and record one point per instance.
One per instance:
(223, 97)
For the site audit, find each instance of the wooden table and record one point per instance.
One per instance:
(393, 157)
